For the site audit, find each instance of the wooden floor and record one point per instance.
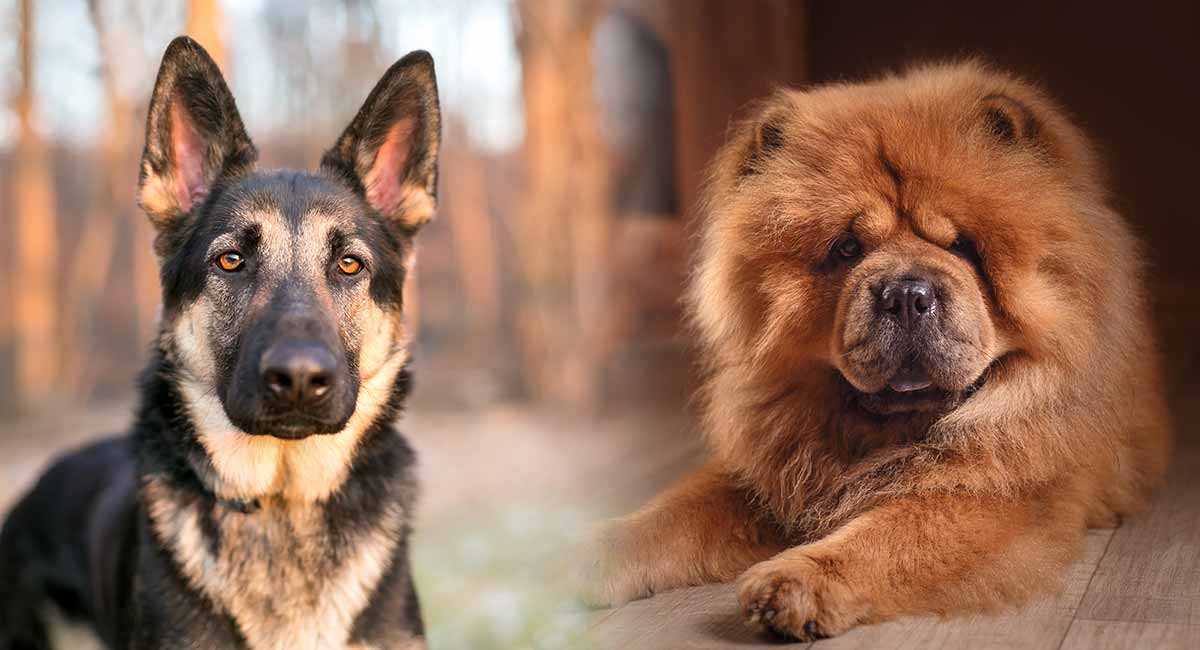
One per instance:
(1134, 587)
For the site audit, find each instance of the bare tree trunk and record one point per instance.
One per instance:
(563, 225)
(471, 229)
(37, 359)
(92, 261)
(204, 23)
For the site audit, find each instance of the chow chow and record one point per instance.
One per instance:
(929, 360)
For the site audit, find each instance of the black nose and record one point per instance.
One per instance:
(298, 373)
(907, 300)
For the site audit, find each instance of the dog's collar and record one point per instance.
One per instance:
(244, 506)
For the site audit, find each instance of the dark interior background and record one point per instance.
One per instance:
(1125, 71)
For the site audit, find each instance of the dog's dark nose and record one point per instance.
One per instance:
(298, 373)
(907, 300)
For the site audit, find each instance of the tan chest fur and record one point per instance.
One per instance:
(278, 572)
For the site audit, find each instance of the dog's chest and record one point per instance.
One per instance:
(283, 573)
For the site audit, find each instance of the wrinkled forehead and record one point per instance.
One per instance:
(879, 139)
(874, 170)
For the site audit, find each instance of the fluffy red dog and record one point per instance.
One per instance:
(930, 361)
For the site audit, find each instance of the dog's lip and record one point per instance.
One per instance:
(293, 426)
(910, 379)
(297, 433)
(890, 400)
(911, 391)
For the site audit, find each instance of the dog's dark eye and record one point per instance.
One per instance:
(848, 247)
(350, 265)
(231, 262)
(964, 248)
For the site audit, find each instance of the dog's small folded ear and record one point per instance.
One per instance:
(762, 134)
(389, 152)
(194, 134)
(1009, 121)
(766, 139)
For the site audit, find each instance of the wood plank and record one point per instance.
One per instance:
(705, 617)
(701, 617)
(1151, 572)
(1119, 635)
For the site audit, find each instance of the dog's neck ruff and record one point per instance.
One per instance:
(306, 599)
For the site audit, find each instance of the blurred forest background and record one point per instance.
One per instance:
(576, 133)
(551, 274)
(546, 291)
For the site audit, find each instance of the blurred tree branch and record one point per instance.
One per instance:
(37, 355)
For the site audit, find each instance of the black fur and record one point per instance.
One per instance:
(84, 537)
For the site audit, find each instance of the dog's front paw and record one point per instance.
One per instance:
(795, 597)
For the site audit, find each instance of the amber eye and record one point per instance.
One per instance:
(350, 265)
(231, 261)
(848, 247)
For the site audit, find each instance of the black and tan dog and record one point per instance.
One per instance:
(263, 498)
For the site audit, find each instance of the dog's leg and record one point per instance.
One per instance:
(703, 529)
(916, 555)
(21, 624)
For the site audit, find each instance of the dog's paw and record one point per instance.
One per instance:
(794, 597)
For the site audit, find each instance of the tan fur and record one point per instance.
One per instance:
(157, 195)
(418, 207)
(296, 596)
(979, 507)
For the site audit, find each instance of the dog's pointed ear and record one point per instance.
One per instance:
(194, 134)
(389, 152)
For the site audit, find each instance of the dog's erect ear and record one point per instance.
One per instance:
(390, 150)
(194, 134)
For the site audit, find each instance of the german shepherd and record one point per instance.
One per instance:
(263, 498)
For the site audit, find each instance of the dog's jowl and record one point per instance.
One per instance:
(263, 497)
